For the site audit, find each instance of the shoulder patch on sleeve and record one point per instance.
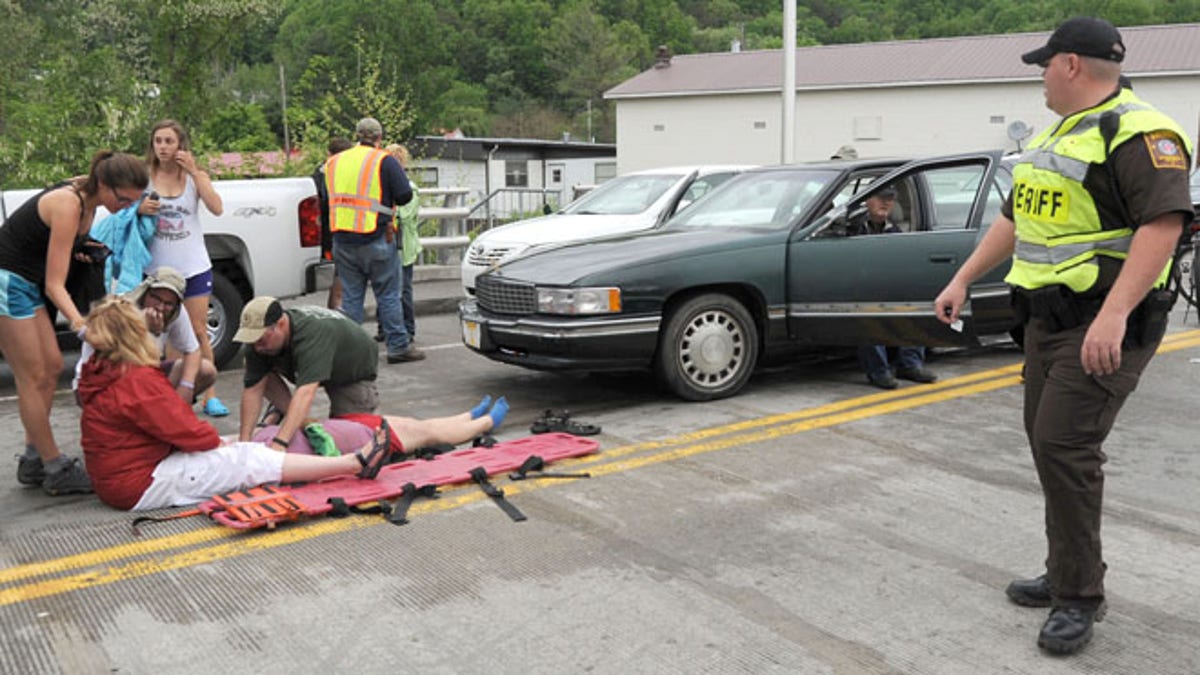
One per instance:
(1165, 151)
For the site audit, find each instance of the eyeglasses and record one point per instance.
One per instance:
(122, 200)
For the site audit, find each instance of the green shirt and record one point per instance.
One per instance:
(410, 237)
(325, 347)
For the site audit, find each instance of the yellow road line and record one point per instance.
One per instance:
(685, 445)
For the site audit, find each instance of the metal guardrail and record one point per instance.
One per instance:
(451, 215)
(457, 220)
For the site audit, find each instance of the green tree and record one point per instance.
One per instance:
(416, 40)
(190, 40)
(590, 56)
(238, 127)
(334, 105)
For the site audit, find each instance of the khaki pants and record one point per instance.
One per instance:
(1068, 414)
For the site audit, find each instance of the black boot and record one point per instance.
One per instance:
(1030, 592)
(1069, 629)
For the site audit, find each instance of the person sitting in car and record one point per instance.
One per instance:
(909, 361)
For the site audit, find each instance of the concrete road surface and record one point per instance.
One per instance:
(810, 525)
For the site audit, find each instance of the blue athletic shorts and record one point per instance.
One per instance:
(19, 299)
(201, 284)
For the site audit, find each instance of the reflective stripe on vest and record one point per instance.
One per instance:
(1059, 232)
(355, 189)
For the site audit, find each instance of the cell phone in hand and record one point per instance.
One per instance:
(153, 195)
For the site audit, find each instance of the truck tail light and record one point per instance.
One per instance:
(309, 217)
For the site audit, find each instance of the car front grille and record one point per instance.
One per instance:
(504, 296)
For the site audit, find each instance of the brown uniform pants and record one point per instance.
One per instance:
(1068, 414)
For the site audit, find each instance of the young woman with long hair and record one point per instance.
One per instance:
(38, 245)
(181, 186)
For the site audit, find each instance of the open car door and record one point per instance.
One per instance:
(849, 289)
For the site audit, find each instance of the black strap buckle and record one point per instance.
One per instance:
(480, 476)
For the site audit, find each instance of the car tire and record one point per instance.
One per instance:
(708, 348)
(224, 316)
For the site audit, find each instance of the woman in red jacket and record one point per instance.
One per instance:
(144, 447)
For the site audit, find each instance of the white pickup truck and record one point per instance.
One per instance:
(267, 242)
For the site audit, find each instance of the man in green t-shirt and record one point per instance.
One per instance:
(309, 347)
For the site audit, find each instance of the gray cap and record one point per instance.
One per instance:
(369, 130)
(164, 277)
(257, 316)
(845, 152)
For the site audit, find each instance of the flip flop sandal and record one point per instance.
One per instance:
(562, 422)
(381, 448)
(273, 415)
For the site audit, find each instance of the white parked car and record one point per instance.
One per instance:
(636, 201)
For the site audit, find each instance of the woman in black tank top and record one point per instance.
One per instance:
(36, 244)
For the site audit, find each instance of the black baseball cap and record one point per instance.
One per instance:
(1082, 35)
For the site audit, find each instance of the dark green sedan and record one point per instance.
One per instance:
(758, 269)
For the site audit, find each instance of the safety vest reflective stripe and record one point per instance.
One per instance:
(1057, 254)
(1045, 158)
(355, 211)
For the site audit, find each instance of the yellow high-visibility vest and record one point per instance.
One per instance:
(355, 189)
(1060, 236)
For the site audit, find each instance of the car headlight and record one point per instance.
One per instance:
(579, 300)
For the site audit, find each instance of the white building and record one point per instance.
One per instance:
(520, 175)
(910, 98)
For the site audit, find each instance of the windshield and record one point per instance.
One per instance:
(771, 200)
(625, 195)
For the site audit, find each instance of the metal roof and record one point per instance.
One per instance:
(1162, 50)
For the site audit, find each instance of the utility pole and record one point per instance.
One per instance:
(287, 142)
(787, 136)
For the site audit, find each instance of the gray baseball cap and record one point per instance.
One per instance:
(369, 129)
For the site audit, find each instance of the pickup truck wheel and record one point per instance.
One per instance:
(224, 315)
(708, 349)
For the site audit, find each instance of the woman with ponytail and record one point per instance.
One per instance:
(38, 245)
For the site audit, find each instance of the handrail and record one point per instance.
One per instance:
(490, 217)
(453, 234)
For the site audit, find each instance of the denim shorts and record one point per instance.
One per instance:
(19, 299)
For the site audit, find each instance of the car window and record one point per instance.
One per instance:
(952, 192)
(702, 186)
(996, 194)
(768, 200)
(856, 184)
(842, 224)
(624, 195)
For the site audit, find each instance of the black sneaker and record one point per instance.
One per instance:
(30, 470)
(68, 480)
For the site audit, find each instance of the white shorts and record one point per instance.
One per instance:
(186, 478)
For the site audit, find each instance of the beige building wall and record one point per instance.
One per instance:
(658, 132)
(886, 121)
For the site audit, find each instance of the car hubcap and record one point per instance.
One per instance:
(217, 325)
(712, 349)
